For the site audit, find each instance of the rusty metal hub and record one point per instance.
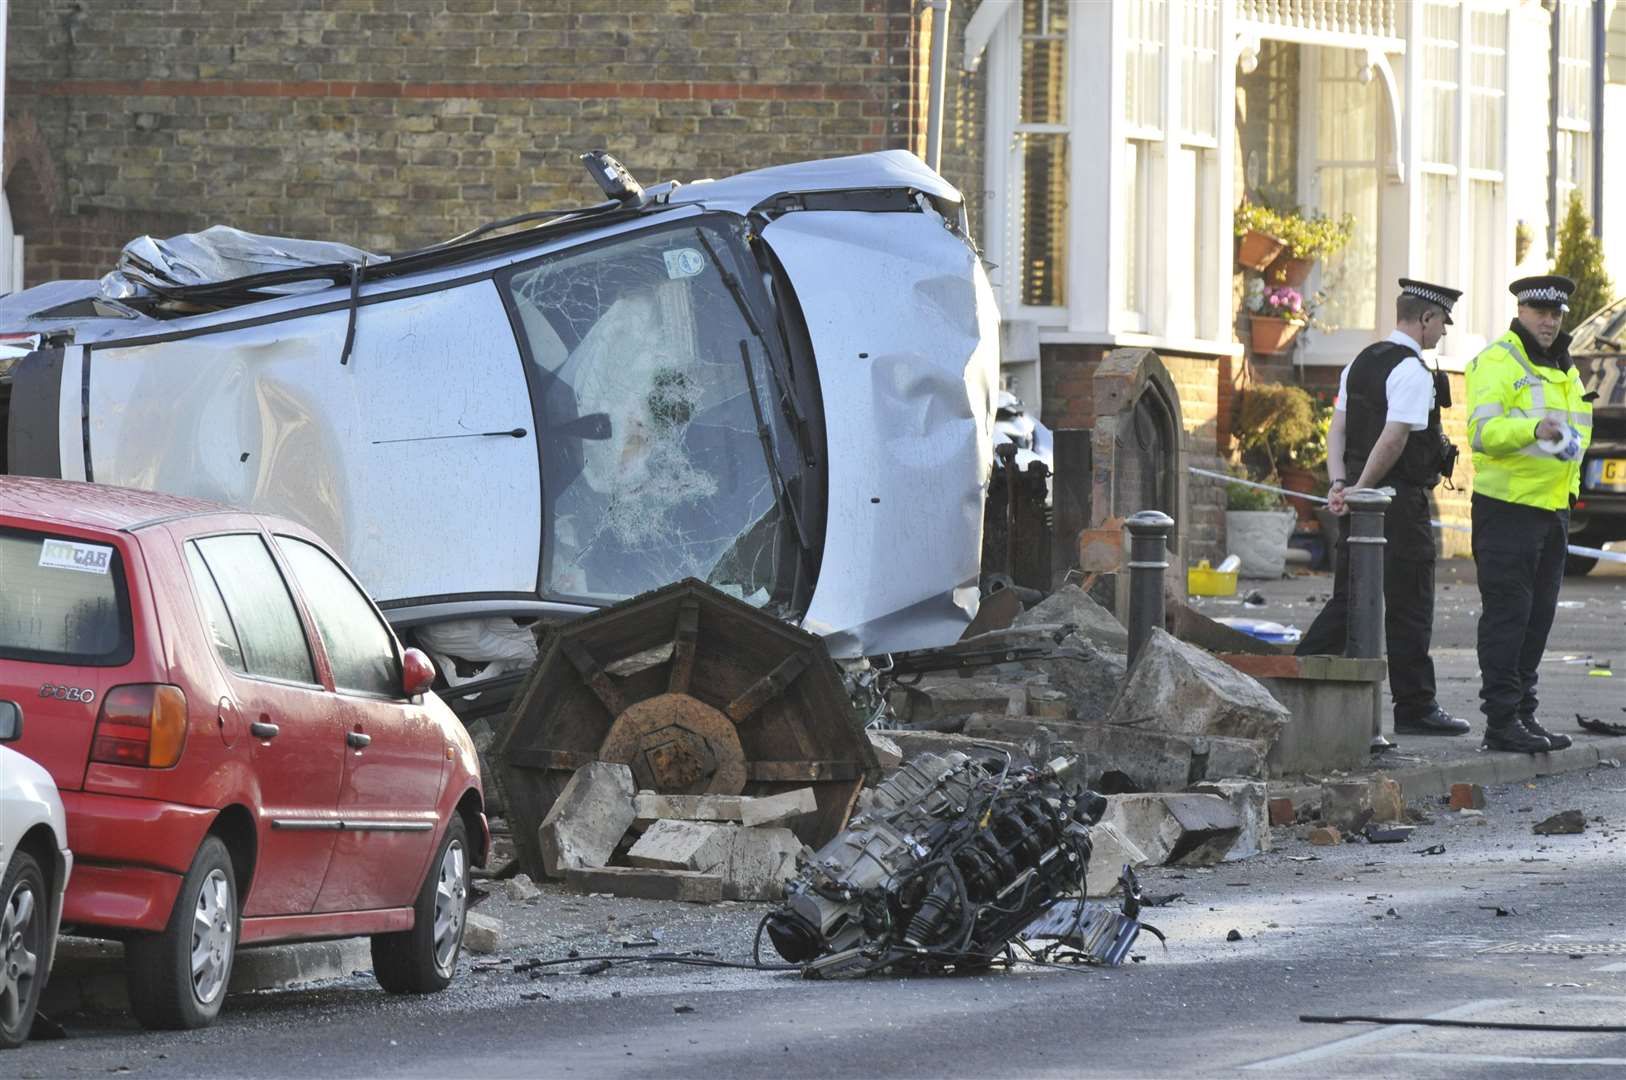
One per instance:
(697, 693)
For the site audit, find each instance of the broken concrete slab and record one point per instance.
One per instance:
(587, 821)
(1071, 604)
(1190, 830)
(1178, 687)
(760, 861)
(1164, 761)
(887, 752)
(644, 884)
(937, 699)
(1090, 680)
(653, 806)
(481, 933)
(1249, 799)
(1110, 852)
(682, 845)
(1192, 626)
(778, 809)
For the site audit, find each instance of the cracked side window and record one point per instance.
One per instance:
(653, 463)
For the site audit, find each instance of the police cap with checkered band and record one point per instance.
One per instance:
(1544, 291)
(1434, 294)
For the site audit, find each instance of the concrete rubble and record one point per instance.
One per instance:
(1175, 829)
(592, 813)
(1180, 688)
(601, 836)
(481, 933)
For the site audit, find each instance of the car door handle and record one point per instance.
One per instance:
(260, 729)
(357, 739)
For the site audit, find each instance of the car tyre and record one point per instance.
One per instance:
(422, 960)
(178, 978)
(25, 952)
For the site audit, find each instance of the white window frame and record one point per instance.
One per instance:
(1573, 14)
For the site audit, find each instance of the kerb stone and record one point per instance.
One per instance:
(644, 884)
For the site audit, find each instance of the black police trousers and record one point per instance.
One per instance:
(1519, 555)
(1408, 603)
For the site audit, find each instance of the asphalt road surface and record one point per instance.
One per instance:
(1354, 929)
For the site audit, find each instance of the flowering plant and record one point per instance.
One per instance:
(1280, 302)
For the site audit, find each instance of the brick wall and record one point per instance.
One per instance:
(395, 123)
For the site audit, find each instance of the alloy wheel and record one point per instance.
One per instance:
(212, 937)
(21, 931)
(451, 897)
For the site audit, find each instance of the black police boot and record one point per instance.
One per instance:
(1554, 740)
(1511, 736)
(1435, 722)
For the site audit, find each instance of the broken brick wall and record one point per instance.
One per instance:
(397, 123)
(1204, 384)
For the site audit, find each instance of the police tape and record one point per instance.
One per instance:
(1574, 549)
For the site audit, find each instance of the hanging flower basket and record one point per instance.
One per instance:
(1271, 334)
(1287, 270)
(1258, 250)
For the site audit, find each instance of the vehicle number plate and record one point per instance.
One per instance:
(1608, 473)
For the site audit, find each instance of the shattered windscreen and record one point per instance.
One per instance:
(655, 397)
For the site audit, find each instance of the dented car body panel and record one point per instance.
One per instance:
(790, 401)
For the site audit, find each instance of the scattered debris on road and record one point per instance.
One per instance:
(1563, 823)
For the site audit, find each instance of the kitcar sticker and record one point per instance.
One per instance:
(66, 555)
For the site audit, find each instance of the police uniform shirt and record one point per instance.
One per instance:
(1409, 389)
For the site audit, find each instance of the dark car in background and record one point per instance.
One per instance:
(1598, 347)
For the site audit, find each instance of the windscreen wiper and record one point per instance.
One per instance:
(787, 393)
(776, 476)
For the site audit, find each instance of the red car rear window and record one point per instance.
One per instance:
(62, 601)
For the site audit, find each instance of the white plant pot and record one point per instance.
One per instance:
(1259, 538)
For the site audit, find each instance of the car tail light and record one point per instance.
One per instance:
(141, 725)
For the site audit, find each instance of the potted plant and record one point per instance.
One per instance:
(1302, 464)
(1257, 529)
(1276, 313)
(1258, 227)
(1307, 238)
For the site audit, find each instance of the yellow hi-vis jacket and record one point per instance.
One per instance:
(1507, 397)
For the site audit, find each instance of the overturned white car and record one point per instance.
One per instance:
(781, 383)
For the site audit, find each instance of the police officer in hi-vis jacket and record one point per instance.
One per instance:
(1528, 424)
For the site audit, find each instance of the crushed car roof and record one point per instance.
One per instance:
(212, 266)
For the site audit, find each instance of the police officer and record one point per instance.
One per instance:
(1385, 432)
(1528, 424)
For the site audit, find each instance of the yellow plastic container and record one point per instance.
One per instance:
(1204, 580)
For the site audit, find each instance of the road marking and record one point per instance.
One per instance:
(1382, 1034)
(1505, 1059)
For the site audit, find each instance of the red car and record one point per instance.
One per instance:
(245, 752)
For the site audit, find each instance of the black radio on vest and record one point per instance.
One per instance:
(1426, 453)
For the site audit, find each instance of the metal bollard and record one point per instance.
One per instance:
(1365, 554)
(1148, 558)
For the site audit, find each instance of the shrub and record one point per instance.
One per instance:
(1580, 258)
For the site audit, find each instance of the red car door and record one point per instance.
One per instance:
(294, 733)
(396, 757)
